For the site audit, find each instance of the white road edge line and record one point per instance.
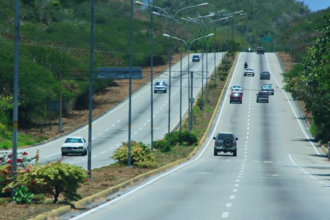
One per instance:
(293, 110)
(308, 174)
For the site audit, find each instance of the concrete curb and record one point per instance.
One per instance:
(81, 204)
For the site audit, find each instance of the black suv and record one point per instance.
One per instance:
(225, 142)
(195, 58)
(265, 75)
(260, 50)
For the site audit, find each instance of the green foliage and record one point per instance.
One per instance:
(141, 155)
(53, 178)
(310, 82)
(22, 195)
(162, 145)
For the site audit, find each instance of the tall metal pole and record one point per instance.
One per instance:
(61, 101)
(90, 115)
(15, 109)
(169, 87)
(130, 87)
(152, 75)
(203, 77)
(215, 49)
(192, 98)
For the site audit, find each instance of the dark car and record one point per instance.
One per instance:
(262, 97)
(260, 50)
(268, 88)
(265, 75)
(195, 58)
(236, 97)
(225, 142)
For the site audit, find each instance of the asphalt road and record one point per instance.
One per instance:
(111, 130)
(278, 172)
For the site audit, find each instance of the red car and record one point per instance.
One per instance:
(236, 97)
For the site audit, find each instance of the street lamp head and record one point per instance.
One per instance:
(139, 3)
(166, 35)
(210, 35)
(203, 4)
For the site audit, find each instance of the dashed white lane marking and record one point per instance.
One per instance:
(232, 197)
(93, 138)
(135, 132)
(107, 129)
(236, 185)
(103, 152)
(144, 124)
(157, 112)
(225, 214)
(234, 190)
(118, 121)
(238, 181)
(112, 125)
(110, 148)
(93, 156)
(149, 120)
(100, 133)
(228, 205)
(141, 128)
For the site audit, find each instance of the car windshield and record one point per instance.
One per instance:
(223, 136)
(262, 94)
(265, 72)
(73, 140)
(248, 69)
(267, 86)
(159, 83)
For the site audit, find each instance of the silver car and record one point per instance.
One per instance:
(160, 86)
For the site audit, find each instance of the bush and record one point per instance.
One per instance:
(189, 137)
(162, 145)
(212, 86)
(141, 155)
(175, 137)
(222, 78)
(54, 179)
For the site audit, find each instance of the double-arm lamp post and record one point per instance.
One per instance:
(191, 100)
(171, 20)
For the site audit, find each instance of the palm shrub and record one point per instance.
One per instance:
(189, 137)
(141, 155)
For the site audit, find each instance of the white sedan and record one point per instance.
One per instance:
(74, 145)
(248, 71)
(237, 88)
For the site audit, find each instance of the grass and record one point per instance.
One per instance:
(23, 140)
(114, 174)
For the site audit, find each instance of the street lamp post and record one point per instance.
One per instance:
(191, 102)
(171, 21)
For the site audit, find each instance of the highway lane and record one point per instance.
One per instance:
(277, 174)
(110, 130)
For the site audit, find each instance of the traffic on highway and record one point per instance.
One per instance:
(276, 172)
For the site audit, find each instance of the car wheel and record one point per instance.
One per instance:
(253, 75)
(235, 153)
(215, 153)
(63, 154)
(154, 91)
(241, 102)
(257, 101)
(227, 142)
(165, 91)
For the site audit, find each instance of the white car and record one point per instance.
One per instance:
(237, 88)
(74, 145)
(248, 71)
